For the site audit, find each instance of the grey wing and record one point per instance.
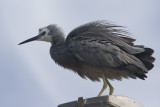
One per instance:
(104, 44)
(102, 52)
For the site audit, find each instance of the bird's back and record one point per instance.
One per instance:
(102, 27)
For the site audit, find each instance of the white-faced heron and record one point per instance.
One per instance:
(98, 50)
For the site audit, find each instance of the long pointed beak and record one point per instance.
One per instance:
(31, 39)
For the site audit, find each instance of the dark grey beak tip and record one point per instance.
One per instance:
(22, 43)
(19, 43)
(31, 39)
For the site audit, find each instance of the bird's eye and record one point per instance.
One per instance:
(43, 33)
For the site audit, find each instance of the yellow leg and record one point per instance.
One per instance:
(104, 85)
(110, 87)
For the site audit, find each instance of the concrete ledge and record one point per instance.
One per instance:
(103, 101)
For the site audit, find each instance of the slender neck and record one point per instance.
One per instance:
(58, 41)
(61, 54)
(58, 48)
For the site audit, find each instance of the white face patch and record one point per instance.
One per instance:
(46, 37)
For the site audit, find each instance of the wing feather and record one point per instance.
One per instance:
(108, 45)
(102, 53)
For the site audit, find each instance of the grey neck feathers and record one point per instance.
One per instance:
(58, 41)
(61, 54)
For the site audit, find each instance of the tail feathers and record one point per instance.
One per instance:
(138, 72)
(147, 52)
(141, 76)
(148, 65)
(146, 58)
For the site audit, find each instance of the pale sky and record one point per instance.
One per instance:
(30, 78)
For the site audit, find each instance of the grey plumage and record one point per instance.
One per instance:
(98, 48)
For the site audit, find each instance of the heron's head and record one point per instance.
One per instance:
(46, 34)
